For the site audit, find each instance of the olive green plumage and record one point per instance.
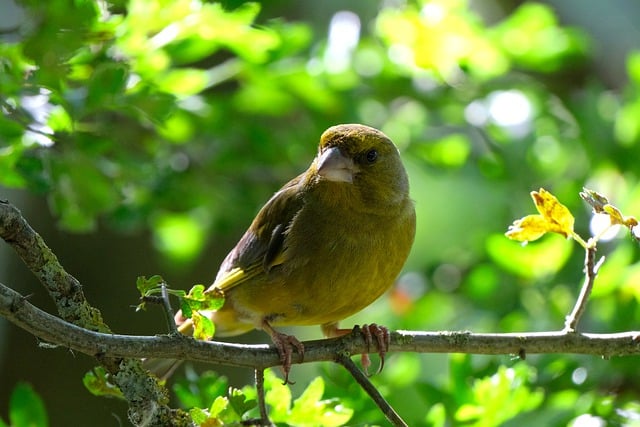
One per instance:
(327, 244)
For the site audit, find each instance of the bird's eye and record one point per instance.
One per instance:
(371, 156)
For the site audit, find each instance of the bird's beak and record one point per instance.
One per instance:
(335, 166)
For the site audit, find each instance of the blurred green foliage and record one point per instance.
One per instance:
(183, 116)
(26, 408)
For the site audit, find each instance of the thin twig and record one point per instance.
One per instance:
(373, 392)
(262, 406)
(590, 271)
(168, 310)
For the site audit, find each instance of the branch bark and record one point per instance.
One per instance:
(54, 330)
(148, 400)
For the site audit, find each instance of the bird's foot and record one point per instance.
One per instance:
(285, 344)
(370, 333)
(382, 338)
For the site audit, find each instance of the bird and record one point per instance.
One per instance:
(326, 245)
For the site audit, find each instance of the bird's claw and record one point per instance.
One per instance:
(383, 339)
(284, 344)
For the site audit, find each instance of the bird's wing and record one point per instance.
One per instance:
(263, 246)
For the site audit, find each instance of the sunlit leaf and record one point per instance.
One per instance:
(203, 327)
(59, 120)
(198, 415)
(596, 200)
(501, 397)
(553, 217)
(184, 81)
(617, 218)
(600, 204)
(278, 397)
(199, 298)
(308, 409)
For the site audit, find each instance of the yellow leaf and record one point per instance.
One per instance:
(203, 327)
(595, 199)
(554, 217)
(616, 216)
(558, 217)
(527, 229)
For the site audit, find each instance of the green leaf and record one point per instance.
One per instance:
(10, 130)
(156, 107)
(188, 81)
(437, 415)
(309, 409)
(203, 327)
(26, 407)
(239, 401)
(199, 299)
(220, 404)
(199, 390)
(185, 306)
(501, 397)
(199, 416)
(59, 120)
(82, 191)
(197, 293)
(9, 157)
(277, 396)
(633, 67)
(144, 285)
(108, 81)
(97, 382)
(627, 124)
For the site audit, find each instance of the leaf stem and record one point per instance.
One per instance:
(581, 242)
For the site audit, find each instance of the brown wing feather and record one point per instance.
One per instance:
(263, 244)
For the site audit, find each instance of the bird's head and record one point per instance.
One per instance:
(361, 160)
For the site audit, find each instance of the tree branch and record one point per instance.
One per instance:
(81, 328)
(64, 289)
(54, 330)
(148, 400)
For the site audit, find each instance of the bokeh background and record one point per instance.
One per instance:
(141, 137)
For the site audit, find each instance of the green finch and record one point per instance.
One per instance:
(325, 246)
